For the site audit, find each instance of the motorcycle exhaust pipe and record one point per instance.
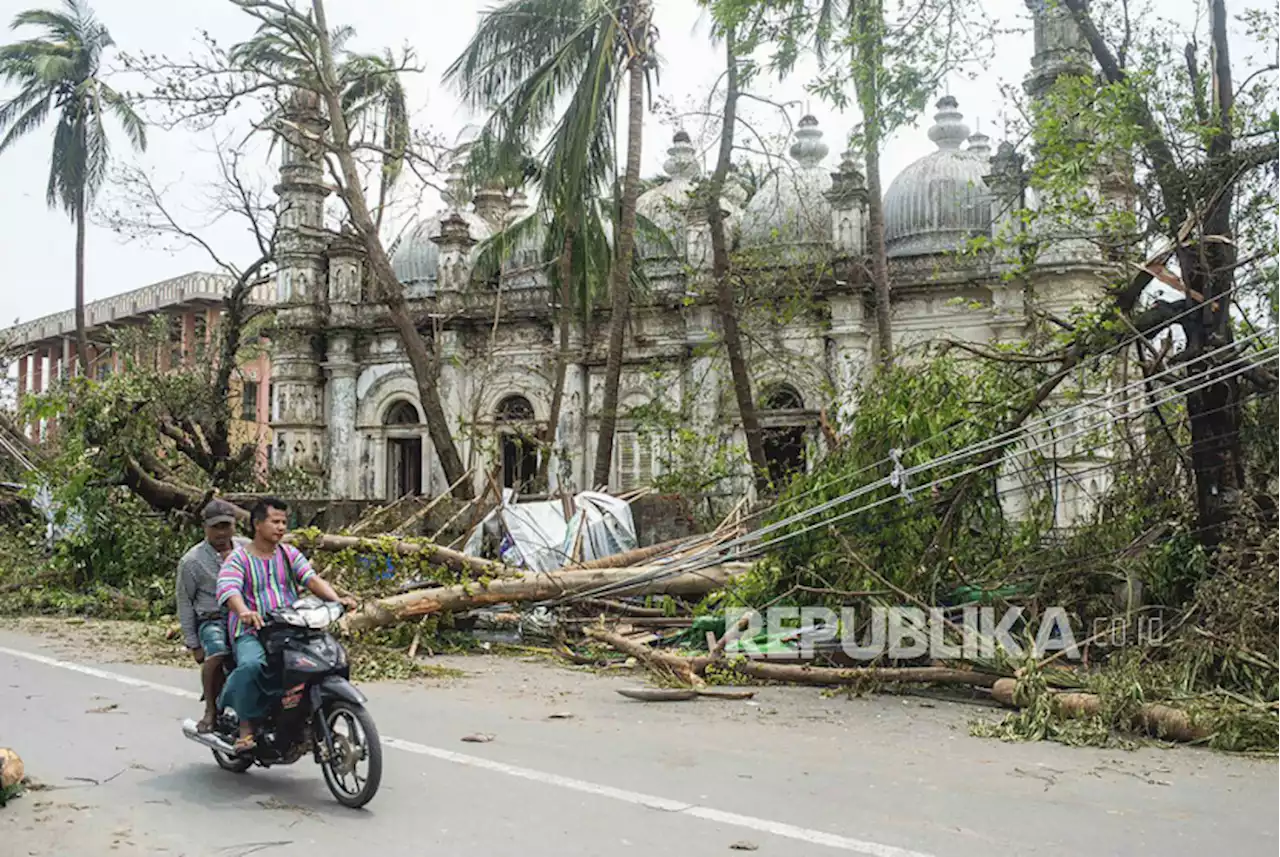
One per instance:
(208, 739)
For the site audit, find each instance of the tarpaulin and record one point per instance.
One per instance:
(536, 535)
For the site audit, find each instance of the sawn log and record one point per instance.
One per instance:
(1159, 721)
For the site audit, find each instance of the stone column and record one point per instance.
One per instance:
(567, 470)
(188, 338)
(22, 377)
(455, 242)
(341, 371)
(299, 407)
(848, 352)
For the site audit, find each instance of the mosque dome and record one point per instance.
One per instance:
(669, 204)
(791, 206)
(941, 201)
(415, 259)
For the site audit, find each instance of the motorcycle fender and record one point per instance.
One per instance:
(337, 687)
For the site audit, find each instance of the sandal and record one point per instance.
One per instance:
(244, 744)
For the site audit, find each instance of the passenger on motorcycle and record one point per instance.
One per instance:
(203, 621)
(261, 576)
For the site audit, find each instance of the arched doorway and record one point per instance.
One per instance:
(517, 450)
(404, 450)
(783, 426)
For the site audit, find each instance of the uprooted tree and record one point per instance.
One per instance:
(163, 424)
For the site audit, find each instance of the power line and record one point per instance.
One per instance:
(714, 557)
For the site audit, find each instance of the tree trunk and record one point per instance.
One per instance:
(720, 270)
(869, 54)
(805, 674)
(421, 355)
(82, 337)
(536, 587)
(565, 264)
(879, 257)
(1214, 412)
(1205, 266)
(218, 435)
(621, 274)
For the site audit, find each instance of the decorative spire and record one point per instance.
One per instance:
(454, 233)
(848, 184)
(808, 150)
(979, 145)
(682, 158)
(455, 186)
(519, 206)
(491, 203)
(949, 129)
(1005, 177)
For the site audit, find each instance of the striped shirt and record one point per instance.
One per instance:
(264, 584)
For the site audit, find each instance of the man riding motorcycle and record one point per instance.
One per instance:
(260, 576)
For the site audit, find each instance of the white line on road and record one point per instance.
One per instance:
(762, 825)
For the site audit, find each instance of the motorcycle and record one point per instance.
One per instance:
(317, 709)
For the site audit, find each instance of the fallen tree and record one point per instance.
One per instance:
(537, 587)
(834, 676)
(401, 547)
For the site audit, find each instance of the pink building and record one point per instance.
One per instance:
(44, 349)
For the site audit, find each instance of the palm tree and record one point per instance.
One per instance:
(525, 59)
(59, 72)
(372, 93)
(575, 239)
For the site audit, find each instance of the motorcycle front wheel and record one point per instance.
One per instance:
(234, 764)
(354, 772)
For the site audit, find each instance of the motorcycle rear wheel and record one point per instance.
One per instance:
(360, 737)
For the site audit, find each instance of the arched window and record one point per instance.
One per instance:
(404, 451)
(514, 409)
(784, 432)
(519, 452)
(782, 397)
(402, 413)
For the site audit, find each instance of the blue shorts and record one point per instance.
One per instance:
(213, 638)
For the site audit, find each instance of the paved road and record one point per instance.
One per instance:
(794, 773)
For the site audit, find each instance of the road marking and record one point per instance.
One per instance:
(706, 813)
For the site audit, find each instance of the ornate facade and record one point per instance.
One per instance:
(346, 403)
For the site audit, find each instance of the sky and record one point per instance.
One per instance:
(37, 244)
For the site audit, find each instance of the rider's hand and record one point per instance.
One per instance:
(252, 619)
(198, 654)
(348, 602)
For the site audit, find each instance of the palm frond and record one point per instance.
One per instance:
(495, 251)
(67, 166)
(97, 155)
(30, 99)
(131, 122)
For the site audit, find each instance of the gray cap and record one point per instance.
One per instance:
(218, 512)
